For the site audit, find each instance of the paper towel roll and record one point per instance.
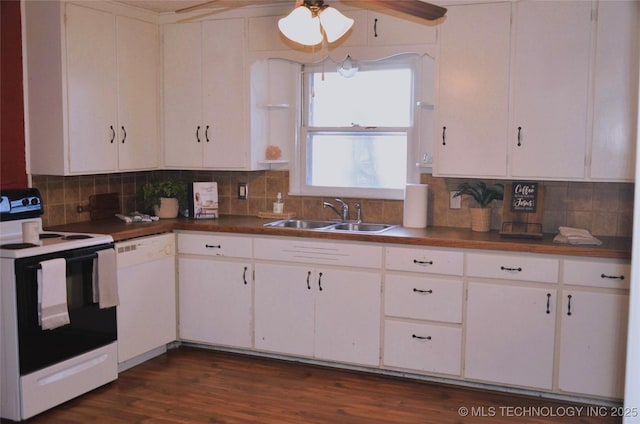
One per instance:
(415, 206)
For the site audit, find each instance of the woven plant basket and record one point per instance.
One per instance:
(480, 219)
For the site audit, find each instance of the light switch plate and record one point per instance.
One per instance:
(455, 202)
(243, 191)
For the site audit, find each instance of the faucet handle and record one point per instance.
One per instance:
(358, 212)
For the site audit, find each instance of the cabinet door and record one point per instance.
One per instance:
(592, 343)
(347, 322)
(91, 90)
(550, 85)
(386, 30)
(510, 334)
(138, 61)
(473, 83)
(616, 91)
(284, 309)
(224, 90)
(215, 301)
(183, 132)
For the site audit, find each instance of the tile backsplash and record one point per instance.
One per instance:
(605, 209)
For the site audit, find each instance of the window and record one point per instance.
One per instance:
(356, 132)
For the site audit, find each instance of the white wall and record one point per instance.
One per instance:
(632, 376)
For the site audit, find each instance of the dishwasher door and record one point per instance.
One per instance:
(147, 291)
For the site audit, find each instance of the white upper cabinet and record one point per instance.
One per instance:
(205, 100)
(615, 104)
(383, 29)
(138, 94)
(473, 91)
(566, 77)
(97, 112)
(550, 89)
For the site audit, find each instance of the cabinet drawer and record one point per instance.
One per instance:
(423, 298)
(597, 273)
(214, 244)
(422, 347)
(513, 267)
(324, 253)
(424, 260)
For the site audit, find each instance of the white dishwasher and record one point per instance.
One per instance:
(147, 291)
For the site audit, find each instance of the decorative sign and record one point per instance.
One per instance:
(524, 197)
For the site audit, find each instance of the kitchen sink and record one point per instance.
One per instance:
(302, 224)
(345, 227)
(361, 227)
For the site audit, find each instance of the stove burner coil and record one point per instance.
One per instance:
(76, 237)
(15, 246)
(49, 235)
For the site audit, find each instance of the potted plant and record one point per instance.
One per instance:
(164, 197)
(483, 194)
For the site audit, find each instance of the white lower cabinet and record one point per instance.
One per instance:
(422, 347)
(308, 303)
(215, 289)
(592, 343)
(510, 334)
(593, 327)
(325, 313)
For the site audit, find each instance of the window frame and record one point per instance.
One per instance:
(298, 179)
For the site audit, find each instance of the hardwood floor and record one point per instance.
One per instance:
(189, 385)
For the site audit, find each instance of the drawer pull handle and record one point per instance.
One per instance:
(505, 268)
(612, 277)
(415, 290)
(308, 276)
(548, 303)
(213, 246)
(569, 305)
(415, 261)
(421, 337)
(320, 281)
(244, 275)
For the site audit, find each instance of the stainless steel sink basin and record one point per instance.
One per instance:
(303, 224)
(346, 227)
(361, 227)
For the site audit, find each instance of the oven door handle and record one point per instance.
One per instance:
(69, 260)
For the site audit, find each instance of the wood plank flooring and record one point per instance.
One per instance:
(188, 385)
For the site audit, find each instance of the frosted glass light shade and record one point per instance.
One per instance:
(334, 23)
(301, 26)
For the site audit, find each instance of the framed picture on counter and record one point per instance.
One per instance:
(203, 200)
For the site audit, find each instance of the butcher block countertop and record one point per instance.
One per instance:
(612, 247)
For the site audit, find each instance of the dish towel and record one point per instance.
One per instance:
(105, 282)
(572, 235)
(52, 294)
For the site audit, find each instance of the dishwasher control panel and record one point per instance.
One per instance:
(145, 249)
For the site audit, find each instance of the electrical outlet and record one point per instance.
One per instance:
(455, 202)
(243, 191)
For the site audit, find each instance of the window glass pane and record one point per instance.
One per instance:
(371, 98)
(358, 159)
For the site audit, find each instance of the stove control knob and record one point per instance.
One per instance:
(25, 202)
(34, 201)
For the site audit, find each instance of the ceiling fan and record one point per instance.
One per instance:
(415, 8)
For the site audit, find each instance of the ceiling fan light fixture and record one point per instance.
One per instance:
(334, 23)
(301, 26)
(310, 22)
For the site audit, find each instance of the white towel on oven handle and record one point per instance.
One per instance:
(53, 311)
(105, 279)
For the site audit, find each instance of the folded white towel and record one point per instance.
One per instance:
(52, 294)
(572, 235)
(105, 280)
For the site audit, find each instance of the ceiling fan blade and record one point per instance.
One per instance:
(415, 8)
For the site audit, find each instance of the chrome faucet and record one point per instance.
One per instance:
(344, 215)
(358, 212)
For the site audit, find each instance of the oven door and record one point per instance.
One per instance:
(90, 327)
